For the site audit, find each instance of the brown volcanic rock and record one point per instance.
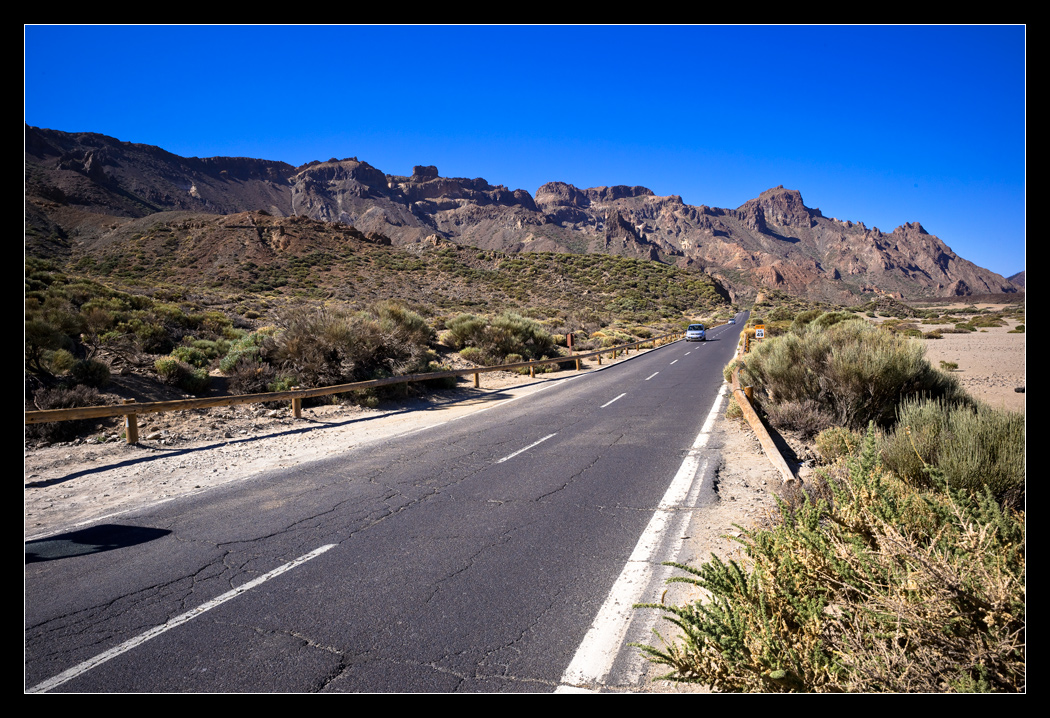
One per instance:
(104, 175)
(772, 240)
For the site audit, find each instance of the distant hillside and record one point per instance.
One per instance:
(255, 259)
(76, 181)
(1017, 279)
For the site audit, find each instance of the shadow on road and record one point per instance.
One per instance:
(96, 539)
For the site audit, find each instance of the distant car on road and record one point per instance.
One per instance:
(695, 333)
(731, 321)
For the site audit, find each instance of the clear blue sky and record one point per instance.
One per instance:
(882, 125)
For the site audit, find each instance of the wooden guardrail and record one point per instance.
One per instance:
(743, 400)
(131, 409)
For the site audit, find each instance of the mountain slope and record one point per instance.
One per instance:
(772, 241)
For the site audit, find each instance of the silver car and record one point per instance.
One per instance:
(695, 333)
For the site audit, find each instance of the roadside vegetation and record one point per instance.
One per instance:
(900, 566)
(326, 315)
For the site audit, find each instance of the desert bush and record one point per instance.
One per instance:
(63, 397)
(192, 356)
(59, 361)
(883, 588)
(856, 372)
(807, 417)
(491, 342)
(248, 346)
(803, 318)
(182, 375)
(829, 319)
(969, 446)
(326, 347)
(836, 442)
(90, 372)
(250, 376)
(465, 330)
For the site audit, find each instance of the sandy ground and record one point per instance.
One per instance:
(68, 485)
(991, 363)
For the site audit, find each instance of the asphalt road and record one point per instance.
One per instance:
(471, 556)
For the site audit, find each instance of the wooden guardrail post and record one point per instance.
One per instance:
(297, 406)
(599, 358)
(477, 380)
(577, 365)
(532, 372)
(131, 425)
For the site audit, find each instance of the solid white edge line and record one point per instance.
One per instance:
(612, 400)
(601, 644)
(519, 451)
(177, 621)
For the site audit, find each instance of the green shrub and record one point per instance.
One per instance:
(192, 356)
(465, 330)
(856, 372)
(949, 365)
(804, 318)
(971, 447)
(182, 375)
(90, 372)
(882, 588)
(473, 355)
(492, 341)
(836, 442)
(59, 361)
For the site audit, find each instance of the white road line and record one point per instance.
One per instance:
(177, 621)
(610, 402)
(519, 451)
(651, 375)
(688, 353)
(674, 362)
(595, 655)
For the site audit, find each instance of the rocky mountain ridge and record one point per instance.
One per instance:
(773, 241)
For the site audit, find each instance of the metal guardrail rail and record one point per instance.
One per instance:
(130, 409)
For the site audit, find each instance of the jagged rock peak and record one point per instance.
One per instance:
(561, 194)
(913, 226)
(782, 206)
(620, 191)
(347, 169)
(422, 173)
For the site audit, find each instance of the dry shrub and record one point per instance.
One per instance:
(63, 397)
(855, 372)
(327, 347)
(835, 443)
(867, 585)
(491, 342)
(807, 417)
(970, 446)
